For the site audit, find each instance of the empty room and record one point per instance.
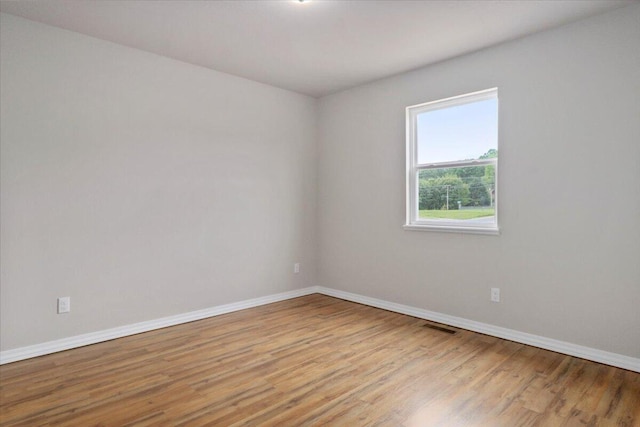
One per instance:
(320, 213)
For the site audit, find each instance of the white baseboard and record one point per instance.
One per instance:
(595, 355)
(36, 350)
(600, 356)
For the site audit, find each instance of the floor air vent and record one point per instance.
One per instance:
(439, 328)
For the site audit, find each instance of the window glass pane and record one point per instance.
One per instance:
(465, 194)
(462, 132)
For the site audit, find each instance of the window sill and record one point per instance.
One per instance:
(453, 229)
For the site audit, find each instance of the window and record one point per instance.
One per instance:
(452, 164)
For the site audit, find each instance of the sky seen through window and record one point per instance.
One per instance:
(462, 132)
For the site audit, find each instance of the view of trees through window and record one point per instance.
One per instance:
(452, 163)
(460, 193)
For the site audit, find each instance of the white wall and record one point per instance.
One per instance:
(141, 186)
(568, 257)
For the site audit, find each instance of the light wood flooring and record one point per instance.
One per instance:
(315, 361)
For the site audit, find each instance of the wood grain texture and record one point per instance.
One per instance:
(315, 361)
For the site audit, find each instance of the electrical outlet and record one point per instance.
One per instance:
(64, 305)
(296, 267)
(495, 294)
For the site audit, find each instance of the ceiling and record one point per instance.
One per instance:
(317, 47)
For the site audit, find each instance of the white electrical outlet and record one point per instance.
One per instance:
(64, 305)
(296, 267)
(495, 294)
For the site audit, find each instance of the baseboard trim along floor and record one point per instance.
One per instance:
(600, 356)
(595, 355)
(36, 350)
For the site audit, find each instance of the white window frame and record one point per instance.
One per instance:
(413, 221)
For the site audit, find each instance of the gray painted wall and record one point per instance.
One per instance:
(143, 187)
(568, 257)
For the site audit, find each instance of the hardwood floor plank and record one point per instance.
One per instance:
(315, 361)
